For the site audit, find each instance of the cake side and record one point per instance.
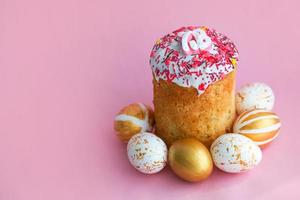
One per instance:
(181, 113)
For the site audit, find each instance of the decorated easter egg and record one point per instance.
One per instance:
(190, 160)
(259, 125)
(235, 153)
(133, 119)
(254, 96)
(147, 153)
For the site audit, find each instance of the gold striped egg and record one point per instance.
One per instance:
(132, 119)
(261, 126)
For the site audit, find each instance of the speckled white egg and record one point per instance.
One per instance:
(254, 96)
(235, 153)
(147, 153)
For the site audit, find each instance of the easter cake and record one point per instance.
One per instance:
(194, 84)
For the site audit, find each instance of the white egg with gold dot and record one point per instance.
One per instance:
(147, 153)
(254, 96)
(235, 153)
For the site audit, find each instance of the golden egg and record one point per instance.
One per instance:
(190, 160)
(261, 126)
(132, 119)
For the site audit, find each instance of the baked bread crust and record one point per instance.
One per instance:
(181, 113)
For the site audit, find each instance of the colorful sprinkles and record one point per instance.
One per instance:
(193, 57)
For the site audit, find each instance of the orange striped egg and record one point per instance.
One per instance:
(132, 119)
(259, 125)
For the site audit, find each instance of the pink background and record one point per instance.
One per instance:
(67, 67)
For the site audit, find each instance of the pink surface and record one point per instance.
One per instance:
(66, 68)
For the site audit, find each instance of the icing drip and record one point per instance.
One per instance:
(193, 57)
